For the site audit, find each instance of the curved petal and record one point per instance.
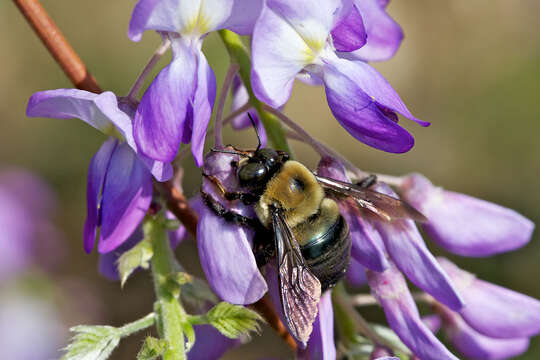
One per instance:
(384, 35)
(356, 274)
(183, 17)
(97, 110)
(433, 322)
(227, 259)
(321, 344)
(201, 107)
(390, 289)
(160, 120)
(360, 116)
(408, 250)
(210, 344)
(367, 245)
(278, 54)
(127, 193)
(474, 345)
(374, 85)
(349, 34)
(463, 224)
(244, 15)
(97, 171)
(494, 310)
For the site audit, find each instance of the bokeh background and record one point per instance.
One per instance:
(472, 68)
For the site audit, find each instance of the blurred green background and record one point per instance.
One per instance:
(470, 68)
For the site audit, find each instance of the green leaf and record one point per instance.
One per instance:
(139, 255)
(152, 348)
(92, 342)
(390, 336)
(233, 321)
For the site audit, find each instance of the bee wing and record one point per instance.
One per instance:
(300, 290)
(382, 205)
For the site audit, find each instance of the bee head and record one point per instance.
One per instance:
(260, 167)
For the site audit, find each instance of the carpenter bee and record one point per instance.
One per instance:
(308, 235)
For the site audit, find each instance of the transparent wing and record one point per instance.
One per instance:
(382, 205)
(300, 290)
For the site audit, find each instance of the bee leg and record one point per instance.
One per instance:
(263, 247)
(368, 181)
(246, 198)
(229, 215)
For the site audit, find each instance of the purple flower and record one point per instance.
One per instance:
(494, 310)
(465, 225)
(367, 245)
(210, 344)
(293, 38)
(473, 344)
(225, 248)
(177, 106)
(119, 187)
(407, 249)
(390, 290)
(27, 234)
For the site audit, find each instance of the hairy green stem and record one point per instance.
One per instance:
(137, 325)
(170, 312)
(240, 55)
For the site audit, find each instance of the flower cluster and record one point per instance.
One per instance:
(326, 43)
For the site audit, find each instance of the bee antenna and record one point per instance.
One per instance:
(256, 131)
(229, 152)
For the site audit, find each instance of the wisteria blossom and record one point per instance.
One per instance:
(119, 187)
(177, 106)
(300, 37)
(463, 224)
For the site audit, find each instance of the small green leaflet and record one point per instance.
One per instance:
(139, 255)
(152, 348)
(233, 321)
(92, 343)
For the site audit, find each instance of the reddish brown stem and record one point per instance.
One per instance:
(57, 44)
(266, 309)
(75, 69)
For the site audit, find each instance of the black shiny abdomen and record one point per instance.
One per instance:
(328, 256)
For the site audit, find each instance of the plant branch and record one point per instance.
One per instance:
(57, 45)
(170, 311)
(239, 54)
(137, 325)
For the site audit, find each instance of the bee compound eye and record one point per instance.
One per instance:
(251, 173)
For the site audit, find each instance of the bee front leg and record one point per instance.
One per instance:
(246, 198)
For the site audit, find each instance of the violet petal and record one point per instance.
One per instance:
(357, 112)
(384, 35)
(126, 195)
(349, 34)
(160, 120)
(210, 344)
(463, 224)
(227, 259)
(97, 171)
(390, 289)
(494, 310)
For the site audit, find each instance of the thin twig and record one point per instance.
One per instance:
(57, 45)
(218, 124)
(179, 205)
(137, 85)
(266, 309)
